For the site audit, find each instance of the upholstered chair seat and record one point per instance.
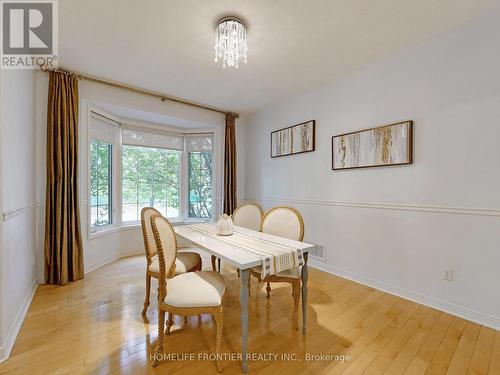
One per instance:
(184, 262)
(195, 289)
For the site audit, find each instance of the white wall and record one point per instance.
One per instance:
(126, 241)
(17, 202)
(396, 228)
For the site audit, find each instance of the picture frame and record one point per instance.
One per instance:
(295, 139)
(380, 146)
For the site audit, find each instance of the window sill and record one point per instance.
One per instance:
(134, 226)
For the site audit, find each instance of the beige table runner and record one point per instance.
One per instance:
(276, 256)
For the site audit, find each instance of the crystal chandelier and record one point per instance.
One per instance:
(230, 42)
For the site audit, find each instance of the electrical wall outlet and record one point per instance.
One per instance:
(448, 274)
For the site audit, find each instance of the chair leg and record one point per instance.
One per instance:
(170, 321)
(296, 301)
(249, 278)
(161, 324)
(146, 302)
(219, 319)
(268, 289)
(238, 272)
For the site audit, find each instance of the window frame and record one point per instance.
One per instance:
(174, 219)
(188, 187)
(110, 188)
(116, 179)
(115, 146)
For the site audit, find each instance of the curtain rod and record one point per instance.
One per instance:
(137, 90)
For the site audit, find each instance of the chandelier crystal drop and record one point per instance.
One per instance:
(231, 42)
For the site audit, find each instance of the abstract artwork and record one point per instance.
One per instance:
(376, 147)
(295, 139)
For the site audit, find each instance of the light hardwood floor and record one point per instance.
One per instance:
(94, 326)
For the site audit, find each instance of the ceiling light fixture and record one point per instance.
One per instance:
(231, 42)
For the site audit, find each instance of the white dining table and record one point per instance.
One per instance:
(231, 252)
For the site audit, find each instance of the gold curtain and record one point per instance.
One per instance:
(230, 166)
(63, 242)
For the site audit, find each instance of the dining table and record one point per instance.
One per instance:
(244, 249)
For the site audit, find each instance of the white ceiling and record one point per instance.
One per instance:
(167, 45)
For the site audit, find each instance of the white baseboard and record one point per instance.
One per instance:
(125, 254)
(450, 308)
(100, 263)
(104, 261)
(16, 325)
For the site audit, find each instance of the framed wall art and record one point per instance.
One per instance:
(376, 147)
(295, 139)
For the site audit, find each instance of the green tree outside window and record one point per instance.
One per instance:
(150, 178)
(100, 183)
(200, 184)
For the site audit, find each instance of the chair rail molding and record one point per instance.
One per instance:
(384, 206)
(7, 215)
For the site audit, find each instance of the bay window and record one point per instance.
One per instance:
(151, 164)
(170, 171)
(102, 144)
(100, 185)
(150, 178)
(200, 176)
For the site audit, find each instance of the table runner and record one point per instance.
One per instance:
(276, 257)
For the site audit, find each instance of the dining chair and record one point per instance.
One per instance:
(284, 222)
(186, 261)
(248, 215)
(186, 294)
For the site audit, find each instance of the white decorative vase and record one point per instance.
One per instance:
(225, 225)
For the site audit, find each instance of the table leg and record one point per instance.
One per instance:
(304, 275)
(244, 275)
